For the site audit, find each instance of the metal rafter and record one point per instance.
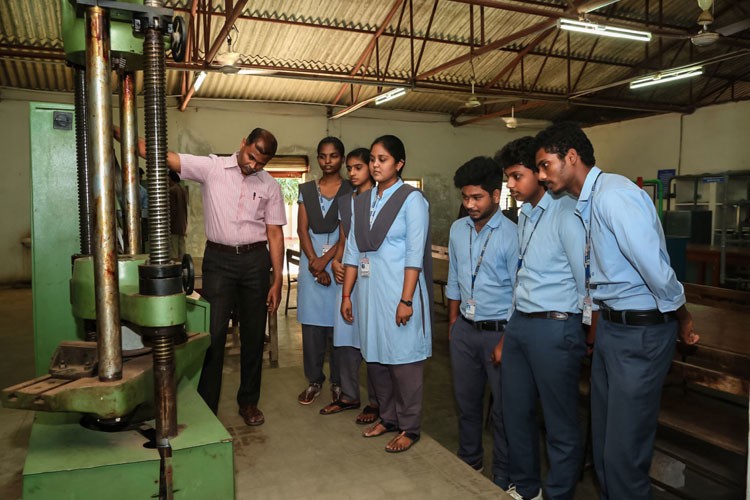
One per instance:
(542, 26)
(546, 58)
(216, 45)
(512, 65)
(370, 46)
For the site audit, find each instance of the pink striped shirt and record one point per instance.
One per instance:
(236, 208)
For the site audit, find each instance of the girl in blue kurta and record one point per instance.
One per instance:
(386, 256)
(318, 231)
(346, 341)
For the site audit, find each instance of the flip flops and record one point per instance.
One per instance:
(368, 415)
(339, 406)
(413, 438)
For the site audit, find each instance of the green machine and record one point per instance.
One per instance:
(119, 344)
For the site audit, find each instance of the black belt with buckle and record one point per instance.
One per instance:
(638, 318)
(489, 325)
(556, 315)
(235, 249)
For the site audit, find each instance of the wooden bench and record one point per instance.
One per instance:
(705, 397)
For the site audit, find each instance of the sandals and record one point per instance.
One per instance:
(379, 429)
(391, 446)
(368, 415)
(339, 406)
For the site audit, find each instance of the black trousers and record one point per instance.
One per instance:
(235, 283)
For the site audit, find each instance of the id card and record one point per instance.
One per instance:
(326, 247)
(364, 267)
(588, 307)
(471, 309)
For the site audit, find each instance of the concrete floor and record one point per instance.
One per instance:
(297, 453)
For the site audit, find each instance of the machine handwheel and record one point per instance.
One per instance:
(179, 39)
(188, 274)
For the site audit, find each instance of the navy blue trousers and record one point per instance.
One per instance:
(239, 283)
(543, 356)
(627, 374)
(471, 351)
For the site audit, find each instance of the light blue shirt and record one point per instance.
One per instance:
(552, 240)
(315, 302)
(378, 295)
(630, 267)
(493, 287)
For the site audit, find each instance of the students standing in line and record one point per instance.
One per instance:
(482, 265)
(346, 343)
(388, 255)
(641, 307)
(544, 341)
(318, 230)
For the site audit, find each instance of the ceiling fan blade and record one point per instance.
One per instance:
(734, 28)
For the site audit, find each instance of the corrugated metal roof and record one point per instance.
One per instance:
(326, 40)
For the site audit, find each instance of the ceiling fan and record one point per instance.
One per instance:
(512, 122)
(706, 36)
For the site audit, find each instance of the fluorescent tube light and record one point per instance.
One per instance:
(667, 76)
(603, 30)
(199, 81)
(390, 95)
(252, 71)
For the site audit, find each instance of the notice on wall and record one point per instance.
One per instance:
(664, 175)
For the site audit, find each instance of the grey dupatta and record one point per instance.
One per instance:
(369, 239)
(316, 221)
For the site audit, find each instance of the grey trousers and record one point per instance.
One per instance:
(315, 341)
(399, 391)
(348, 361)
(543, 356)
(472, 367)
(627, 373)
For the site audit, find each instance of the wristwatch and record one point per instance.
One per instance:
(407, 303)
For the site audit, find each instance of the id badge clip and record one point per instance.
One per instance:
(471, 309)
(588, 308)
(364, 267)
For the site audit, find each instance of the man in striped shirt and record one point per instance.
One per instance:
(244, 214)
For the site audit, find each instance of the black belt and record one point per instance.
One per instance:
(556, 315)
(235, 249)
(491, 325)
(638, 318)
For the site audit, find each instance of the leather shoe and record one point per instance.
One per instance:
(252, 415)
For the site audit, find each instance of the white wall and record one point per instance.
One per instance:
(713, 140)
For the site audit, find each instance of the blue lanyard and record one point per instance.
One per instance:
(481, 257)
(587, 255)
(522, 254)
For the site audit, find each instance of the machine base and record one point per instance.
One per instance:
(65, 460)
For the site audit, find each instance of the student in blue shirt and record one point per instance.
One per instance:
(482, 265)
(387, 255)
(641, 308)
(544, 341)
(318, 230)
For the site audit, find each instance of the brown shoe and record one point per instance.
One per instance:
(308, 395)
(252, 415)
